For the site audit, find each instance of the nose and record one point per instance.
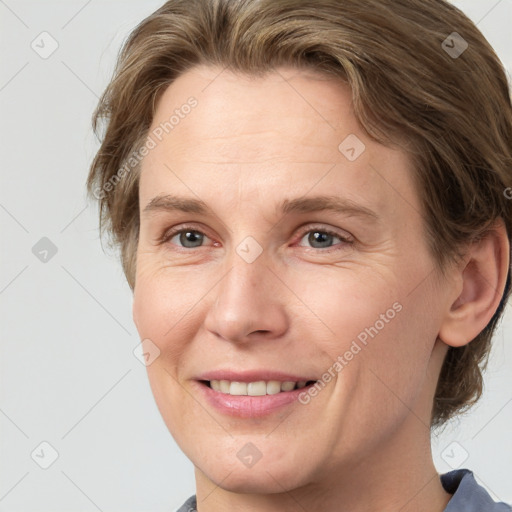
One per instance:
(249, 304)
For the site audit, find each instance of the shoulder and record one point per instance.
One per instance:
(190, 505)
(468, 495)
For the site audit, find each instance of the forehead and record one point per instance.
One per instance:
(288, 127)
(249, 112)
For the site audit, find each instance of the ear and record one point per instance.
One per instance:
(483, 277)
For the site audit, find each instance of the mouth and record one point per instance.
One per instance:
(255, 388)
(254, 398)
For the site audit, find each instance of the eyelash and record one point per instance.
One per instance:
(168, 235)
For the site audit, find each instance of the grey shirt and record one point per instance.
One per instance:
(468, 495)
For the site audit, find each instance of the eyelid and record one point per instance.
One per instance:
(171, 232)
(325, 229)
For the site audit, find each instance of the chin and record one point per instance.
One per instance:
(264, 477)
(255, 481)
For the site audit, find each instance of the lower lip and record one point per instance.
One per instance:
(246, 406)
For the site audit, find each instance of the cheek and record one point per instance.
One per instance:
(163, 312)
(394, 362)
(163, 299)
(380, 334)
(349, 310)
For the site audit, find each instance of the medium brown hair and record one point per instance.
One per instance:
(453, 110)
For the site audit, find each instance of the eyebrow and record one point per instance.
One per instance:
(335, 204)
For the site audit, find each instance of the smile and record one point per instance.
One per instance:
(258, 388)
(252, 399)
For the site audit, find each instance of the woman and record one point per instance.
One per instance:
(310, 202)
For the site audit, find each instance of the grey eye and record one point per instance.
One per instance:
(320, 239)
(190, 239)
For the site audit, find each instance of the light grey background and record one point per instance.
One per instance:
(68, 373)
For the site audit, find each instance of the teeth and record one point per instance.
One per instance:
(287, 386)
(273, 387)
(259, 388)
(238, 388)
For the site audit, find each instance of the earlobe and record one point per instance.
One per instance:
(483, 276)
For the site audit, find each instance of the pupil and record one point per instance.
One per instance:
(319, 237)
(192, 237)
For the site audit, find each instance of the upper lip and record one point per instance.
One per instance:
(253, 376)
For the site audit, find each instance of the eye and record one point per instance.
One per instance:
(323, 238)
(318, 238)
(187, 238)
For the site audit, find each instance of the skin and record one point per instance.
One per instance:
(363, 443)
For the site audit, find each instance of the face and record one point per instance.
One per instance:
(278, 243)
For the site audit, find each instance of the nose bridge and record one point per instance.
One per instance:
(244, 286)
(248, 272)
(246, 301)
